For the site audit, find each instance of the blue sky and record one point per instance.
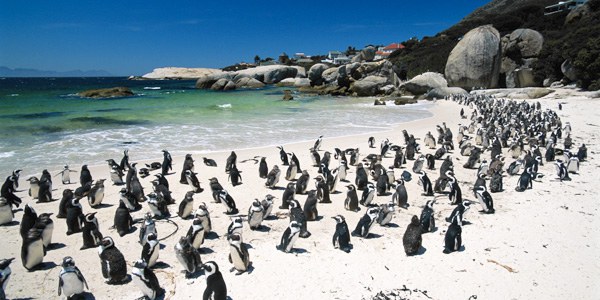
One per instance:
(133, 37)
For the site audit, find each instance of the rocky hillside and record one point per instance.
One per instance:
(431, 53)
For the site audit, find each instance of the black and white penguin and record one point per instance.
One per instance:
(382, 185)
(145, 279)
(288, 195)
(148, 227)
(291, 172)
(429, 140)
(44, 191)
(193, 181)
(430, 159)
(236, 225)
(525, 181)
(116, 176)
(412, 237)
(283, 156)
(84, 190)
(203, 214)
(32, 249)
(234, 175)
(453, 238)
(123, 222)
(90, 232)
(289, 237)
(354, 156)
(158, 207)
(341, 236)
(6, 212)
(427, 219)
(315, 156)
(455, 195)
(229, 203)
(133, 185)
(322, 189)
(153, 166)
(8, 191)
(34, 187)
(351, 202)
(324, 161)
(188, 256)
(362, 178)
(85, 175)
(125, 160)
(302, 182)
(263, 168)
(458, 213)
(231, 161)
(65, 174)
(255, 215)
(426, 184)
(485, 200)
(573, 165)
(150, 250)
(167, 164)
(64, 202)
(561, 171)
(96, 194)
(365, 223)
(45, 223)
(238, 254)
(371, 142)
(267, 204)
(71, 282)
(343, 170)
(273, 177)
(129, 200)
(114, 267)
(188, 164)
(386, 213)
(297, 214)
(515, 167)
(215, 285)
(215, 188)
(310, 206)
(74, 217)
(196, 233)
(318, 143)
(186, 206)
(400, 196)
(368, 194)
(28, 220)
(209, 162)
(294, 158)
(496, 184)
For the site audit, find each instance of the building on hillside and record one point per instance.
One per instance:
(563, 6)
(336, 58)
(384, 52)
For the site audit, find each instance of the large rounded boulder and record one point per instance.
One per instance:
(315, 73)
(425, 82)
(475, 60)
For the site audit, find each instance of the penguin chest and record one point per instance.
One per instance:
(66, 177)
(154, 255)
(97, 197)
(186, 210)
(47, 234)
(34, 190)
(71, 284)
(198, 239)
(186, 260)
(239, 262)
(34, 255)
(291, 241)
(6, 214)
(255, 219)
(143, 285)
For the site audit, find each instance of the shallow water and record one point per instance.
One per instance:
(43, 124)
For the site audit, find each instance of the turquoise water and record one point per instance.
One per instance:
(44, 124)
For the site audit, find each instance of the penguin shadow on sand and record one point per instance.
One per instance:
(103, 205)
(391, 225)
(205, 250)
(55, 246)
(263, 228)
(44, 266)
(212, 236)
(10, 224)
(161, 265)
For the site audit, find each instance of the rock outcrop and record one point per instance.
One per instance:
(248, 78)
(115, 92)
(441, 92)
(367, 54)
(475, 60)
(516, 93)
(425, 82)
(368, 86)
(315, 74)
(179, 73)
(520, 50)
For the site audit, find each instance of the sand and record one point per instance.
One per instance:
(540, 244)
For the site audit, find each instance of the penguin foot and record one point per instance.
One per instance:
(446, 251)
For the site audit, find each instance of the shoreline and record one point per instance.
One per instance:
(515, 236)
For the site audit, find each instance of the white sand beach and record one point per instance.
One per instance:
(540, 244)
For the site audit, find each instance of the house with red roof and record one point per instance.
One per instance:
(384, 52)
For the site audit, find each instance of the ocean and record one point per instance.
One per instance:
(45, 125)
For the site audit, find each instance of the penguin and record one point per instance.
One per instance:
(263, 168)
(8, 191)
(85, 175)
(283, 156)
(430, 159)
(74, 217)
(188, 256)
(154, 166)
(167, 164)
(453, 238)
(209, 162)
(515, 167)
(193, 182)
(5, 273)
(229, 203)
(186, 205)
(455, 195)
(485, 199)
(291, 172)
(133, 185)
(322, 190)
(412, 237)
(145, 279)
(255, 215)
(32, 249)
(28, 220)
(427, 220)
(429, 140)
(288, 195)
(371, 142)
(573, 165)
(123, 222)
(310, 206)
(324, 161)
(341, 236)
(368, 194)
(315, 156)
(267, 205)
(386, 213)
(114, 267)
(71, 282)
(44, 191)
(84, 190)
(144, 172)
(158, 207)
(426, 184)
(382, 185)
(148, 227)
(496, 184)
(125, 160)
(204, 216)
(289, 237)
(273, 177)
(116, 176)
(215, 285)
(188, 164)
(236, 225)
(6, 212)
(162, 191)
(318, 143)
(231, 161)
(561, 170)
(361, 179)
(234, 175)
(129, 200)
(65, 174)
(296, 162)
(351, 202)
(343, 171)
(458, 213)
(45, 223)
(483, 168)
(365, 223)
(196, 233)
(238, 254)
(215, 188)
(90, 232)
(64, 202)
(150, 250)
(302, 182)
(297, 214)
(525, 181)
(582, 153)
(400, 196)
(34, 187)
(96, 194)
(354, 155)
